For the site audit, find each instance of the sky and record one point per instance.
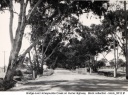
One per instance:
(4, 32)
(4, 36)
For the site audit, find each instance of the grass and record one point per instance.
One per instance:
(103, 72)
(109, 72)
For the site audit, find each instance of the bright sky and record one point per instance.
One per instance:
(4, 35)
(4, 32)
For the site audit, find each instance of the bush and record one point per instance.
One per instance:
(9, 84)
(28, 77)
(105, 73)
(27, 72)
(95, 65)
(48, 72)
(1, 84)
(18, 73)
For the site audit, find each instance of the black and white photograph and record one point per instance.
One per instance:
(64, 45)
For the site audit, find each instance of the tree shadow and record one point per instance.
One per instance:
(111, 74)
(76, 85)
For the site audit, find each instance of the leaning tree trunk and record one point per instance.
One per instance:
(16, 45)
(10, 70)
(54, 63)
(14, 58)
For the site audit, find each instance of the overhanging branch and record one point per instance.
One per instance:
(33, 9)
(8, 10)
(40, 38)
(48, 46)
(105, 57)
(51, 53)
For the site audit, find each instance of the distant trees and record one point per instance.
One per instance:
(120, 63)
(114, 23)
(81, 52)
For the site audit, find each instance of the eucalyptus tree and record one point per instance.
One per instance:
(50, 45)
(93, 40)
(114, 22)
(61, 8)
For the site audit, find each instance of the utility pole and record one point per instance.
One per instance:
(126, 34)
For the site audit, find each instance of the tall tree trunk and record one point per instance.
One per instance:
(126, 34)
(54, 63)
(42, 61)
(34, 67)
(36, 59)
(10, 72)
(11, 22)
(115, 63)
(90, 65)
(17, 42)
(13, 59)
(30, 60)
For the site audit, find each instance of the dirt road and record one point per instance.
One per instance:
(64, 80)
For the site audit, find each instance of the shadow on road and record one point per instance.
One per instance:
(76, 85)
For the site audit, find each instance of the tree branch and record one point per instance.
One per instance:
(54, 63)
(8, 10)
(20, 28)
(30, 60)
(51, 53)
(114, 34)
(23, 15)
(48, 46)
(119, 40)
(20, 18)
(47, 32)
(105, 57)
(33, 9)
(11, 23)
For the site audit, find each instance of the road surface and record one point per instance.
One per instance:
(64, 80)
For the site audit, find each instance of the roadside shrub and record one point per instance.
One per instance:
(98, 65)
(106, 73)
(1, 84)
(9, 84)
(48, 72)
(18, 73)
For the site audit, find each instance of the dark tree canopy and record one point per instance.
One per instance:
(4, 3)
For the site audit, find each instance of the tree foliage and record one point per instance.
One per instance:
(42, 16)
